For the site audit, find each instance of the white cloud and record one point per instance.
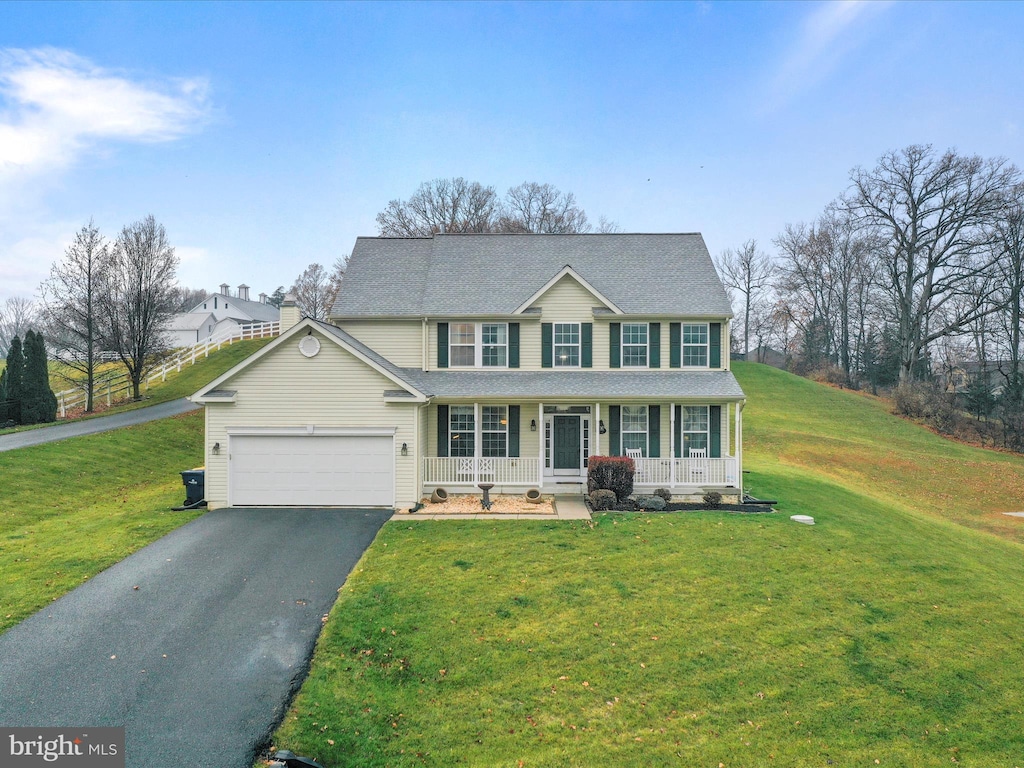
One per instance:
(55, 105)
(829, 34)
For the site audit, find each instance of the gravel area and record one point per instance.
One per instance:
(503, 505)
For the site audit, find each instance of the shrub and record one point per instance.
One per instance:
(602, 500)
(712, 500)
(611, 473)
(664, 493)
(655, 503)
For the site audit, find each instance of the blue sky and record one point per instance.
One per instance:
(268, 136)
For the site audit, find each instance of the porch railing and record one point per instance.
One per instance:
(470, 470)
(673, 472)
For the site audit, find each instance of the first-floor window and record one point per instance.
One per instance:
(460, 430)
(634, 427)
(494, 430)
(695, 428)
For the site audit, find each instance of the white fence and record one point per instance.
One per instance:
(119, 386)
(470, 470)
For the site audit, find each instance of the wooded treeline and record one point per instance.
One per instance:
(912, 279)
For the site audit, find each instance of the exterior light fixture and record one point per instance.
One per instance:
(216, 447)
(601, 428)
(533, 425)
(405, 449)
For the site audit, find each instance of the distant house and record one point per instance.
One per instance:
(219, 312)
(958, 378)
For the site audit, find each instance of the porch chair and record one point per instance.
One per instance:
(636, 454)
(698, 469)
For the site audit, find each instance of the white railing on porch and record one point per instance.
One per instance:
(469, 470)
(673, 472)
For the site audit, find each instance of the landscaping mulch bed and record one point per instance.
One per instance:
(686, 506)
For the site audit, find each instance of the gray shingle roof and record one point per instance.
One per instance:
(406, 375)
(450, 275)
(717, 385)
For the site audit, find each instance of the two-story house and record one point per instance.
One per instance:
(507, 359)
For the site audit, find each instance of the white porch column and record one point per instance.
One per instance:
(739, 448)
(540, 440)
(672, 444)
(477, 435)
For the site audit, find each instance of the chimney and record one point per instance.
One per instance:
(225, 289)
(290, 314)
(263, 298)
(243, 292)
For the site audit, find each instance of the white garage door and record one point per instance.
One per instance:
(312, 470)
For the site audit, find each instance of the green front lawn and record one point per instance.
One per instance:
(887, 632)
(70, 509)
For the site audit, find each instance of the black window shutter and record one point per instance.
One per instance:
(614, 442)
(715, 345)
(715, 419)
(679, 431)
(545, 345)
(442, 430)
(513, 345)
(654, 345)
(586, 345)
(513, 431)
(675, 345)
(654, 431)
(614, 345)
(442, 346)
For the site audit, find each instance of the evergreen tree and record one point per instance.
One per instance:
(38, 403)
(14, 375)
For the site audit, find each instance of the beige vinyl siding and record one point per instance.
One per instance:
(400, 341)
(286, 389)
(567, 302)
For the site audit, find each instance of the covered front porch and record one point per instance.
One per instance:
(688, 448)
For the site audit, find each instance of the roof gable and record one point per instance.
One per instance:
(338, 336)
(465, 274)
(566, 271)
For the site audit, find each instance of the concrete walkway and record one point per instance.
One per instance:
(55, 432)
(566, 508)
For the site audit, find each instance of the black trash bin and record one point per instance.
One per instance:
(195, 486)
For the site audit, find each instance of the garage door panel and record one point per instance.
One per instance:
(312, 470)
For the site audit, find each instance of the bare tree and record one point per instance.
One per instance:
(139, 296)
(316, 289)
(460, 206)
(934, 216)
(606, 226)
(17, 315)
(541, 209)
(441, 205)
(72, 298)
(749, 272)
(186, 299)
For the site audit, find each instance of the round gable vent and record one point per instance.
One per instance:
(309, 346)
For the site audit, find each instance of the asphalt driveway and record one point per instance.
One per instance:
(54, 432)
(194, 643)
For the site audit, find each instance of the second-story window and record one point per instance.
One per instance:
(695, 344)
(567, 345)
(494, 345)
(634, 345)
(478, 345)
(462, 344)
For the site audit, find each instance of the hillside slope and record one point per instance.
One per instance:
(793, 427)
